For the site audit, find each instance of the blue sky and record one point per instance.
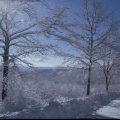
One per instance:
(112, 5)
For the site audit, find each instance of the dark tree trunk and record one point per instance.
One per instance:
(5, 73)
(107, 84)
(88, 81)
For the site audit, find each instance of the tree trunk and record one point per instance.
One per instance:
(107, 84)
(5, 73)
(88, 81)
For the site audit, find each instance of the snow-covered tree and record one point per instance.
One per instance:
(109, 65)
(22, 32)
(86, 35)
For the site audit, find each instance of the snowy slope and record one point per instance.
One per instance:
(112, 110)
(74, 108)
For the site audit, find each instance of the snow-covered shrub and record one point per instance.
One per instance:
(15, 98)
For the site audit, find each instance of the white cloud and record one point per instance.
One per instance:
(49, 62)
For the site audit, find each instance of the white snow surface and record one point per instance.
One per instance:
(8, 114)
(112, 110)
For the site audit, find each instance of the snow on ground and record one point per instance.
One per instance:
(9, 114)
(74, 108)
(112, 110)
(61, 99)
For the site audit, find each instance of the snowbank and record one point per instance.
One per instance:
(112, 110)
(75, 108)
